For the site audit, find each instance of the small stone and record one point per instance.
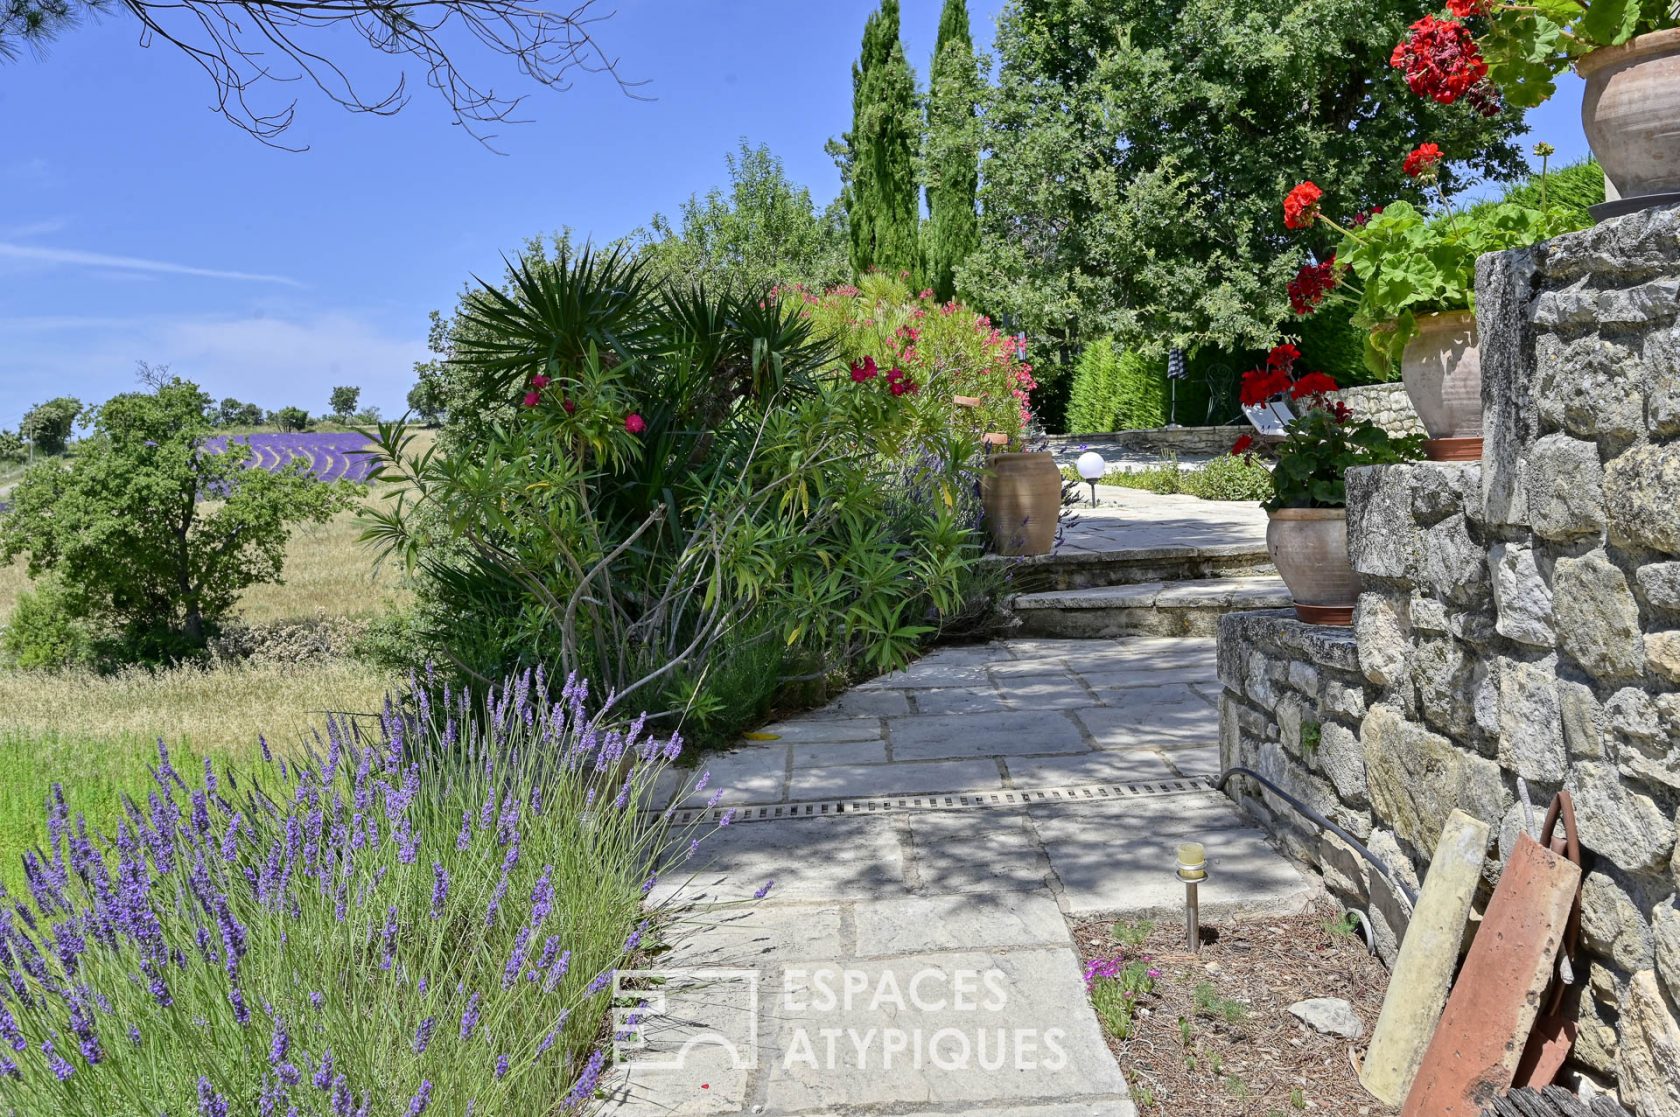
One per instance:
(1531, 739)
(1416, 778)
(1662, 654)
(1384, 540)
(1565, 486)
(1454, 564)
(1214, 968)
(1619, 823)
(1304, 678)
(1644, 746)
(1428, 615)
(1665, 931)
(1346, 699)
(1662, 388)
(1380, 623)
(1649, 1060)
(1660, 582)
(1521, 596)
(1597, 616)
(1329, 1016)
(1642, 491)
(1583, 719)
(1611, 926)
(1342, 760)
(1582, 385)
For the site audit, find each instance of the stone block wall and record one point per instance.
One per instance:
(1190, 441)
(1385, 405)
(1521, 620)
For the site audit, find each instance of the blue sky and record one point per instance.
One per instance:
(135, 224)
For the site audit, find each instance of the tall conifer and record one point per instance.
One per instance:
(879, 156)
(952, 155)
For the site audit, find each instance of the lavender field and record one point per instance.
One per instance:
(332, 456)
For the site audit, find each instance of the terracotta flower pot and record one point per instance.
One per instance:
(1310, 549)
(1630, 112)
(1022, 495)
(1442, 371)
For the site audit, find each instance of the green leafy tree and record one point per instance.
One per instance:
(154, 534)
(425, 399)
(233, 413)
(12, 448)
(951, 151)
(878, 156)
(1138, 153)
(289, 419)
(343, 402)
(47, 426)
(765, 231)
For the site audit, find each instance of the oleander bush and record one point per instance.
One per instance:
(425, 919)
(691, 497)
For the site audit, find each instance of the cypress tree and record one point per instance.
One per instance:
(952, 158)
(879, 157)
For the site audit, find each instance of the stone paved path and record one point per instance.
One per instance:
(947, 924)
(1133, 519)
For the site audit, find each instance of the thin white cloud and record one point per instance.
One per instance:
(75, 258)
(271, 360)
(33, 229)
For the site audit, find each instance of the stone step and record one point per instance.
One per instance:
(1177, 608)
(1078, 568)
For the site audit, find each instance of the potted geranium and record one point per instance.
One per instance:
(1306, 535)
(1410, 274)
(1628, 51)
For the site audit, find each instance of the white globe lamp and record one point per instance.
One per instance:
(1091, 467)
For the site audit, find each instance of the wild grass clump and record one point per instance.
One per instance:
(425, 923)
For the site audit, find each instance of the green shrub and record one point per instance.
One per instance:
(12, 448)
(685, 487)
(1115, 389)
(48, 629)
(1231, 477)
(47, 425)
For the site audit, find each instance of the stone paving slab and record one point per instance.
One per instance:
(1015, 733)
(1092, 768)
(823, 754)
(982, 850)
(817, 859)
(1140, 717)
(981, 699)
(965, 921)
(880, 780)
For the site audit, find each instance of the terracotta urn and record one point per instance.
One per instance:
(1310, 550)
(1442, 371)
(1022, 496)
(1630, 112)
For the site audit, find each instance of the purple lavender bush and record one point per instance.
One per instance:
(426, 923)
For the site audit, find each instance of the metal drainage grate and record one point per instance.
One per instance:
(829, 808)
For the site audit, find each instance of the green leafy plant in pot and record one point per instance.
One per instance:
(1410, 273)
(1491, 52)
(1306, 535)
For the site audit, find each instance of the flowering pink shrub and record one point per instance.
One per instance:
(940, 351)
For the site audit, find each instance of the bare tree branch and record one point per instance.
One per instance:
(243, 44)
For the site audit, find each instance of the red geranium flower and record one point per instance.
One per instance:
(1243, 445)
(1259, 386)
(1440, 60)
(634, 423)
(1312, 384)
(1311, 283)
(532, 399)
(1283, 356)
(1464, 9)
(1423, 159)
(1341, 411)
(1300, 206)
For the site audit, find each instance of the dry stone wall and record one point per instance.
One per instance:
(1521, 620)
(1385, 405)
